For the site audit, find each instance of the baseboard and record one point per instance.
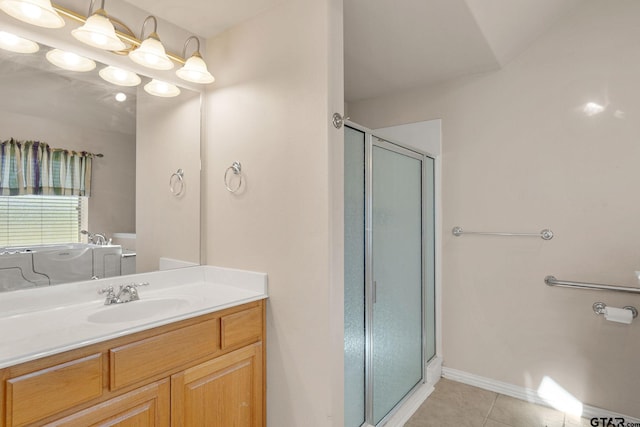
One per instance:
(434, 370)
(524, 393)
(411, 405)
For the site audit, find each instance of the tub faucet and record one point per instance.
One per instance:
(96, 238)
(126, 293)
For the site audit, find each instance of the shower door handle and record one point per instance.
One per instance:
(375, 291)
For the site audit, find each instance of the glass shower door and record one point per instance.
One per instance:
(354, 278)
(397, 275)
(389, 275)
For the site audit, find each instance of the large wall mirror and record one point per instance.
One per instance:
(130, 202)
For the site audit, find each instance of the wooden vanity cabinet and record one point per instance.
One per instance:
(223, 392)
(143, 407)
(207, 371)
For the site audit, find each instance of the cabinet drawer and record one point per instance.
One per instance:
(157, 355)
(144, 406)
(42, 393)
(241, 328)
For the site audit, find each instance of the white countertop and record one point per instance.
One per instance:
(39, 322)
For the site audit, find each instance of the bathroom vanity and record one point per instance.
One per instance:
(189, 353)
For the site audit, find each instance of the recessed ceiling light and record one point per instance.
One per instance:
(591, 109)
(119, 77)
(70, 61)
(13, 43)
(160, 88)
(121, 97)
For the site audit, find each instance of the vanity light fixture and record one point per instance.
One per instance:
(194, 69)
(119, 77)
(151, 53)
(70, 61)
(35, 12)
(98, 31)
(162, 89)
(13, 43)
(121, 97)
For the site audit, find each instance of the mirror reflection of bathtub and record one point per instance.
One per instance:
(43, 265)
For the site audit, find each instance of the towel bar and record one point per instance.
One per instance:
(552, 281)
(545, 234)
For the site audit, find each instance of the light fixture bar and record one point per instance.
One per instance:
(125, 37)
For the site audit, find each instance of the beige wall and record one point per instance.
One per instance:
(168, 139)
(112, 201)
(278, 77)
(519, 154)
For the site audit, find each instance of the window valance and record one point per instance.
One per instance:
(32, 167)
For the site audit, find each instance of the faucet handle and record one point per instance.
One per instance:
(137, 285)
(108, 290)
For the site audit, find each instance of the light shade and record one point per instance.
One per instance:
(35, 12)
(70, 61)
(160, 88)
(98, 31)
(13, 43)
(151, 54)
(195, 70)
(119, 77)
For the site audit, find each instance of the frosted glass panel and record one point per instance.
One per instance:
(397, 272)
(430, 263)
(354, 276)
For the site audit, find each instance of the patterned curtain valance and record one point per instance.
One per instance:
(32, 167)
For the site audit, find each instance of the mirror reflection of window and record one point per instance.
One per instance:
(37, 220)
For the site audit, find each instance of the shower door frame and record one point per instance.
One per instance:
(371, 140)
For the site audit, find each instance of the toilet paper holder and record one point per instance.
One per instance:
(599, 307)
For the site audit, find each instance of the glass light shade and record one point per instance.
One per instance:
(119, 77)
(70, 61)
(35, 12)
(17, 44)
(151, 54)
(195, 70)
(99, 32)
(162, 89)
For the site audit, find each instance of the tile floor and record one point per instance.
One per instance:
(459, 405)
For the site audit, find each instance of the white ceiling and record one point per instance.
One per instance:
(205, 18)
(37, 88)
(398, 45)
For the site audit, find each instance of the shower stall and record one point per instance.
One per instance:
(389, 275)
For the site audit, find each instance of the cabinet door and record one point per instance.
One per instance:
(223, 392)
(144, 407)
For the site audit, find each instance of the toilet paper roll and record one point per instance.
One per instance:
(619, 315)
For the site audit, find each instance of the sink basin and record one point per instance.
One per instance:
(137, 310)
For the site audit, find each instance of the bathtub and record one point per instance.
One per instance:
(43, 265)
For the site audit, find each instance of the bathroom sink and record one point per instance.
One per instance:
(137, 310)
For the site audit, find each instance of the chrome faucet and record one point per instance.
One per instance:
(126, 293)
(96, 238)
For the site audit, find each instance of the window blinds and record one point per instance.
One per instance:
(29, 220)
